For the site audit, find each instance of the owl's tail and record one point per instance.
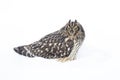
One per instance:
(22, 50)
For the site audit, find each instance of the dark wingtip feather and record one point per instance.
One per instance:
(16, 50)
(22, 51)
(19, 50)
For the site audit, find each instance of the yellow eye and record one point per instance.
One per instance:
(76, 28)
(68, 28)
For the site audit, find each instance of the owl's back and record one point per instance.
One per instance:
(51, 46)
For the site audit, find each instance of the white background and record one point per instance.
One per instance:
(25, 21)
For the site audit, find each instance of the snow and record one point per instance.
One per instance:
(25, 21)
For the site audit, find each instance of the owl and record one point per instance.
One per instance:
(62, 44)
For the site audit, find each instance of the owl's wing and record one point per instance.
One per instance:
(52, 46)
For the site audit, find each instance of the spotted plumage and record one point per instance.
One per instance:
(62, 44)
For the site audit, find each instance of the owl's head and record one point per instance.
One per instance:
(74, 28)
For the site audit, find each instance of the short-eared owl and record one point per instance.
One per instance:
(62, 44)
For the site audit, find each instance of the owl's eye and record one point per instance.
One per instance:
(76, 28)
(68, 28)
